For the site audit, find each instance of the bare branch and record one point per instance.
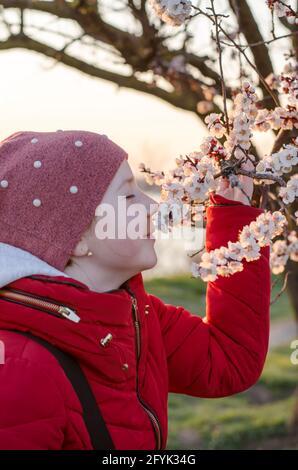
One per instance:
(254, 44)
(282, 289)
(252, 34)
(260, 176)
(223, 87)
(46, 6)
(137, 51)
(175, 99)
(141, 15)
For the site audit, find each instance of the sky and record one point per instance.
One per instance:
(35, 98)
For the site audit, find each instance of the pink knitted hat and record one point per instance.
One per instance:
(50, 186)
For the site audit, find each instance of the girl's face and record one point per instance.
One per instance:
(119, 235)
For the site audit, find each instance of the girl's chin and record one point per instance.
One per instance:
(150, 259)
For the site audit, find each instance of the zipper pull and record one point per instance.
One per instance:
(69, 314)
(135, 306)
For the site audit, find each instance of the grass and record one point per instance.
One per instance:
(239, 421)
(180, 290)
(256, 418)
(190, 293)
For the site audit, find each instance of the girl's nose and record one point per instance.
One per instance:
(153, 208)
(152, 205)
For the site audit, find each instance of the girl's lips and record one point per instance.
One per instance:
(150, 235)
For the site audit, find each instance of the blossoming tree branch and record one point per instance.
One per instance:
(226, 155)
(158, 55)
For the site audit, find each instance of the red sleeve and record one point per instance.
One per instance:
(224, 352)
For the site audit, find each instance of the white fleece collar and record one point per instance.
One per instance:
(16, 263)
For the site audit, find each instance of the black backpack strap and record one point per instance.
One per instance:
(99, 434)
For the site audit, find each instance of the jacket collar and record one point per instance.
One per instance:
(100, 313)
(110, 307)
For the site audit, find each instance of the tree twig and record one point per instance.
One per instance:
(282, 289)
(223, 86)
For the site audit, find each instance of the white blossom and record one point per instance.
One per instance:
(245, 102)
(246, 236)
(206, 270)
(173, 12)
(261, 122)
(283, 118)
(225, 261)
(215, 125)
(197, 187)
(235, 266)
(281, 9)
(221, 255)
(175, 189)
(204, 106)
(235, 251)
(196, 175)
(278, 262)
(282, 250)
(279, 162)
(293, 245)
(251, 250)
(290, 191)
(273, 81)
(240, 134)
(224, 270)
(279, 221)
(263, 230)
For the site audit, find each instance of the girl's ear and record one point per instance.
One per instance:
(81, 249)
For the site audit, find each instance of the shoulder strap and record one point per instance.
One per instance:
(99, 434)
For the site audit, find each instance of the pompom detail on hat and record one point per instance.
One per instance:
(34, 140)
(36, 202)
(37, 164)
(78, 143)
(73, 189)
(4, 183)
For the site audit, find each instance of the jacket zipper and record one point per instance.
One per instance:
(56, 309)
(149, 411)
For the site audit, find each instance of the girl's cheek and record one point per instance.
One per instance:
(127, 248)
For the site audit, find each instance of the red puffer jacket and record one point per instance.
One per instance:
(216, 356)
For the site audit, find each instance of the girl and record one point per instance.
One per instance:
(65, 283)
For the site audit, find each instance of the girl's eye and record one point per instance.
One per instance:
(130, 196)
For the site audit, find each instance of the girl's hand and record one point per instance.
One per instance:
(235, 194)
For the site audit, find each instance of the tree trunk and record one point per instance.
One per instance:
(292, 288)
